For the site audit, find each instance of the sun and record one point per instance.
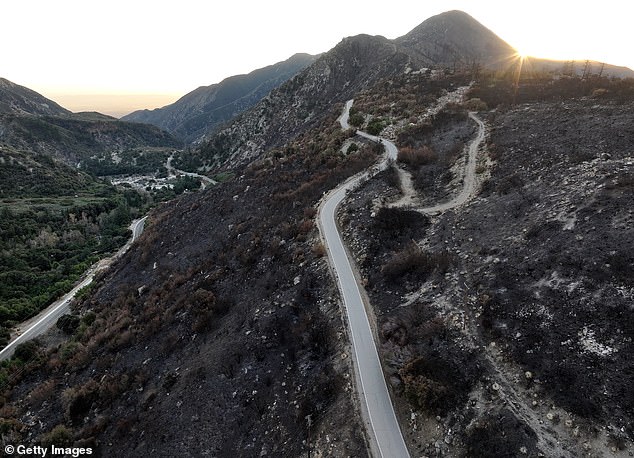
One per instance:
(522, 55)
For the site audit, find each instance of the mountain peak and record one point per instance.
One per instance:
(456, 37)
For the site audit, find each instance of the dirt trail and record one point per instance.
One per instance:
(469, 180)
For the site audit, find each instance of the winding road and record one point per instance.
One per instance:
(386, 438)
(204, 180)
(49, 316)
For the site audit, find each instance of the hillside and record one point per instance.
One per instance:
(205, 109)
(19, 100)
(220, 296)
(356, 63)
(31, 122)
(503, 323)
(71, 139)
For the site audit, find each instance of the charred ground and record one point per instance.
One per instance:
(219, 333)
(506, 323)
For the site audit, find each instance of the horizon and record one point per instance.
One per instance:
(138, 68)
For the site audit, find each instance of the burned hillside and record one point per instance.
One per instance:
(522, 297)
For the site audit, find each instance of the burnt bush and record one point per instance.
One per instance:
(412, 260)
(440, 378)
(500, 434)
(509, 183)
(543, 230)
(78, 400)
(430, 176)
(395, 221)
(60, 436)
(416, 157)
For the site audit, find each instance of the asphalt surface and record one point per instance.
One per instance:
(386, 439)
(48, 317)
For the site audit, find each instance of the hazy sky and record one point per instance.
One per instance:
(70, 47)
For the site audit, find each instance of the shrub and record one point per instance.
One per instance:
(60, 436)
(26, 351)
(476, 104)
(375, 126)
(417, 156)
(68, 323)
(42, 392)
(500, 434)
(425, 393)
(413, 260)
(356, 119)
(78, 400)
(397, 221)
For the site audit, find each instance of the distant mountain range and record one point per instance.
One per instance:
(204, 109)
(448, 41)
(31, 122)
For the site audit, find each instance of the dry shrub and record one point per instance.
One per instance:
(305, 226)
(416, 157)
(112, 386)
(424, 393)
(121, 340)
(319, 249)
(310, 212)
(60, 436)
(79, 359)
(78, 400)
(203, 321)
(413, 260)
(476, 104)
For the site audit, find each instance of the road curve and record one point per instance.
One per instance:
(204, 180)
(469, 181)
(49, 316)
(386, 439)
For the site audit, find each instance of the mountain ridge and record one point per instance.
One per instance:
(455, 37)
(450, 41)
(354, 64)
(16, 99)
(206, 107)
(31, 122)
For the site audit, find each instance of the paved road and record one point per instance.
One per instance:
(204, 180)
(377, 410)
(48, 317)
